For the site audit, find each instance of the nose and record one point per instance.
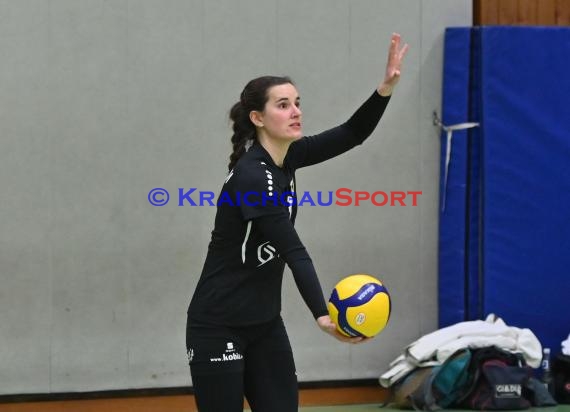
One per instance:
(297, 111)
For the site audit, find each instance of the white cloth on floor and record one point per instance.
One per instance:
(436, 347)
(566, 346)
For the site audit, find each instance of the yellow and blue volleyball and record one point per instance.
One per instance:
(360, 306)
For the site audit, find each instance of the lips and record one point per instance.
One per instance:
(295, 124)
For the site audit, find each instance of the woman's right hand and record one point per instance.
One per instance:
(327, 325)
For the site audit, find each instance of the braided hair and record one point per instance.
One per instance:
(253, 97)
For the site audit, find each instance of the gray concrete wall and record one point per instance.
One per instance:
(101, 101)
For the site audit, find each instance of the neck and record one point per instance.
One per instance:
(277, 149)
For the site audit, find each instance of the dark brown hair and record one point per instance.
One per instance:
(253, 97)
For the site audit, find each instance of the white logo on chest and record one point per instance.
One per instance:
(265, 252)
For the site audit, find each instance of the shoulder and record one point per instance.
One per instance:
(296, 152)
(252, 175)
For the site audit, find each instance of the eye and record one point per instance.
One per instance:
(283, 105)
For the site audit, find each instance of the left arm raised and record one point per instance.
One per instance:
(315, 149)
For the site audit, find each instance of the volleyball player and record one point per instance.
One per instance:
(236, 340)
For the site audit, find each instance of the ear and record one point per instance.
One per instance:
(256, 118)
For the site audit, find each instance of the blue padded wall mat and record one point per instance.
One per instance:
(452, 228)
(474, 293)
(505, 230)
(525, 95)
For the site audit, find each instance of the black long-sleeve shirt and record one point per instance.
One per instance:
(254, 235)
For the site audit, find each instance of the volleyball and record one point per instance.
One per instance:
(360, 306)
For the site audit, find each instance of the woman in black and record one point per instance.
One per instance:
(237, 343)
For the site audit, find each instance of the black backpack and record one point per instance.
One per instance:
(497, 381)
(561, 376)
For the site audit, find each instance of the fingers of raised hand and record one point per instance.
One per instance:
(397, 53)
(394, 44)
(403, 52)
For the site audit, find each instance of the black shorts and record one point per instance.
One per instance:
(227, 364)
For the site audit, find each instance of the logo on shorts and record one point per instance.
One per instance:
(230, 354)
(190, 354)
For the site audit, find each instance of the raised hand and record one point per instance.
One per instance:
(393, 66)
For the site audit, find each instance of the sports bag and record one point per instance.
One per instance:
(499, 387)
(431, 387)
(444, 385)
(561, 376)
(402, 390)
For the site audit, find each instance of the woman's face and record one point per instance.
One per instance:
(281, 117)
